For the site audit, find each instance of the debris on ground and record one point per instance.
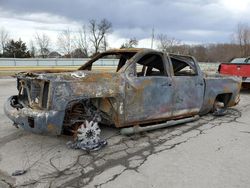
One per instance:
(87, 137)
(220, 112)
(19, 172)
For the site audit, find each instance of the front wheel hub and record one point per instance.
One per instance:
(88, 137)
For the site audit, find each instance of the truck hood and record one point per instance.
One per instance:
(90, 84)
(65, 75)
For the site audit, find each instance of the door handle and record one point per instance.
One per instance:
(166, 84)
(201, 84)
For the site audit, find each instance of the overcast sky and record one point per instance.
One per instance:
(191, 21)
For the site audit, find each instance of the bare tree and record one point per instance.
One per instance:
(32, 48)
(98, 34)
(4, 38)
(131, 43)
(166, 43)
(80, 41)
(65, 42)
(242, 38)
(43, 42)
(104, 44)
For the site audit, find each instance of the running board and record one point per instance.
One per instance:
(138, 129)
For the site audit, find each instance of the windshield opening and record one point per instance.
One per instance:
(108, 62)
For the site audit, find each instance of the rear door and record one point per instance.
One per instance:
(188, 86)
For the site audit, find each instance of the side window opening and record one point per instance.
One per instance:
(183, 67)
(150, 65)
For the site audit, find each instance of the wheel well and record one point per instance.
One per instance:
(76, 113)
(225, 98)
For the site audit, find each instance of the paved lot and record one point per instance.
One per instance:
(211, 152)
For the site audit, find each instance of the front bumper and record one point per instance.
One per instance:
(33, 120)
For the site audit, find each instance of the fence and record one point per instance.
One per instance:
(53, 62)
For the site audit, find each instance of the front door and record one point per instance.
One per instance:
(149, 94)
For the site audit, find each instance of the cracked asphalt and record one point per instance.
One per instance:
(210, 152)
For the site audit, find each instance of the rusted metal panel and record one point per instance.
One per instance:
(216, 85)
(148, 98)
(188, 88)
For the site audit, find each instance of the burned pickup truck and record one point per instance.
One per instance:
(145, 89)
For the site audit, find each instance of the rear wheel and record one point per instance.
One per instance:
(219, 109)
(221, 103)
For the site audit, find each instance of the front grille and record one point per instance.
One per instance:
(31, 122)
(45, 94)
(23, 92)
(33, 93)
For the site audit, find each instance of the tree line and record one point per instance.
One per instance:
(239, 46)
(92, 38)
(87, 41)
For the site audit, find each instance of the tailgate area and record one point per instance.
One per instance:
(242, 70)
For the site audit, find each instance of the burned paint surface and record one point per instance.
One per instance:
(148, 86)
